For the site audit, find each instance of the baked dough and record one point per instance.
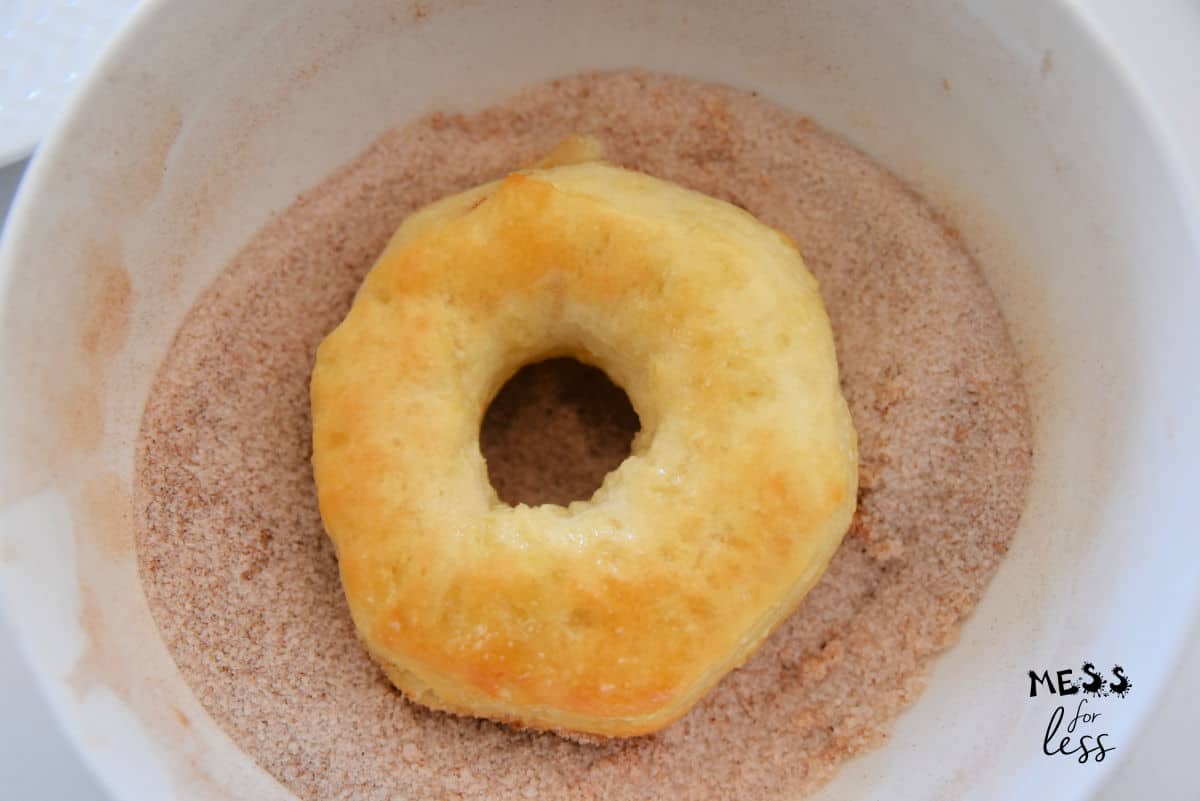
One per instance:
(614, 615)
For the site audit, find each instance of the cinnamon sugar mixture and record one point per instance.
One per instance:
(242, 579)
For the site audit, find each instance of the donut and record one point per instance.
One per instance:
(614, 615)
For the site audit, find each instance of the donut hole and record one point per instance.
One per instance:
(554, 431)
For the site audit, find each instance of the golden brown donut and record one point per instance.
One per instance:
(614, 615)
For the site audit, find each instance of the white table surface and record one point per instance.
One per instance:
(36, 761)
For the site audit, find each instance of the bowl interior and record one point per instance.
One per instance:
(1012, 119)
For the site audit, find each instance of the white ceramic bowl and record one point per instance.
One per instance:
(1013, 118)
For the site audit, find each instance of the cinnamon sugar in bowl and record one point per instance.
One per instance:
(1002, 252)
